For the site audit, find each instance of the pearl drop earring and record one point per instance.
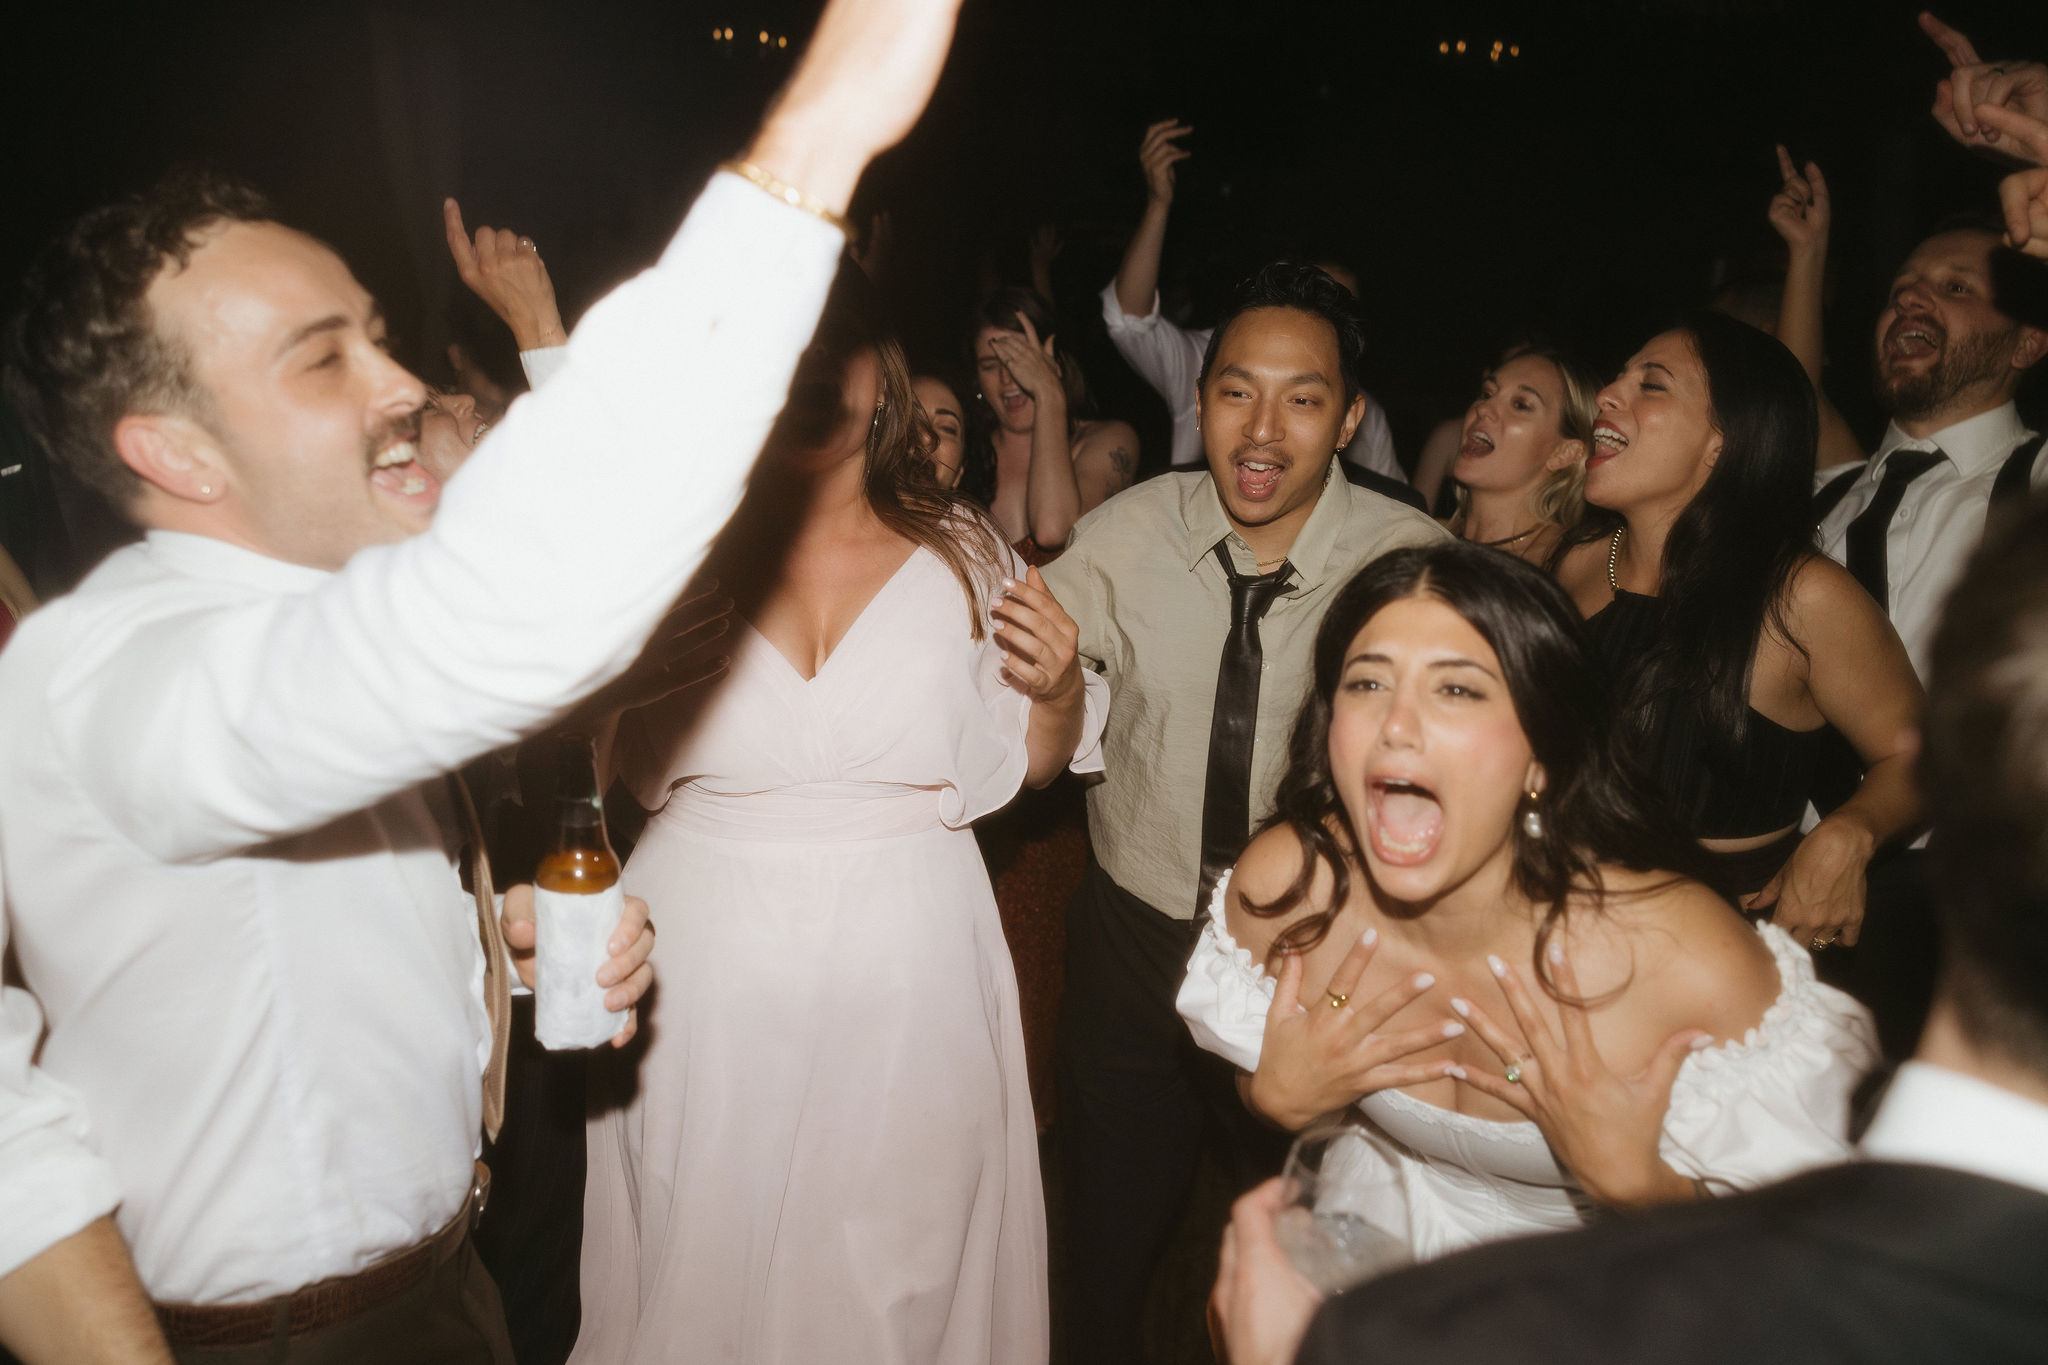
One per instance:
(1532, 819)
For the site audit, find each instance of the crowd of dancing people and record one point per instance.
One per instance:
(1625, 822)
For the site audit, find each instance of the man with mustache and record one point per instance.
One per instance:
(1197, 595)
(273, 1033)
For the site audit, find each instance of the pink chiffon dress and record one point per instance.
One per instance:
(826, 1151)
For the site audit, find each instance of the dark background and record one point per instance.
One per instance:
(1588, 188)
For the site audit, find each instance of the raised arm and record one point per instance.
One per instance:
(1802, 214)
(1137, 279)
(1973, 83)
(559, 548)
(506, 272)
(2024, 194)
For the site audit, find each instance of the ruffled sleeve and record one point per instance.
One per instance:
(990, 774)
(1225, 995)
(1777, 1102)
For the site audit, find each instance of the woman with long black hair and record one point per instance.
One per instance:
(1729, 641)
(1470, 918)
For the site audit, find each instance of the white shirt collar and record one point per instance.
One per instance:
(209, 557)
(1973, 444)
(1936, 1117)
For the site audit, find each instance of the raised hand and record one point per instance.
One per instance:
(1973, 83)
(1039, 641)
(685, 651)
(2024, 194)
(1800, 211)
(505, 271)
(1604, 1128)
(1032, 363)
(1157, 155)
(1045, 245)
(865, 77)
(1322, 1056)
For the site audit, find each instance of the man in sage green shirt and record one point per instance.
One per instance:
(1207, 666)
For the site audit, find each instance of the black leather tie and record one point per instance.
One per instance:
(1864, 545)
(1227, 793)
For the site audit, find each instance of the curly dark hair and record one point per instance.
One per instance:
(1308, 289)
(84, 352)
(1597, 807)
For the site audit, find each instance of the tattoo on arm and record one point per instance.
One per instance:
(1124, 463)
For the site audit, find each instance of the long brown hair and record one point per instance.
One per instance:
(900, 480)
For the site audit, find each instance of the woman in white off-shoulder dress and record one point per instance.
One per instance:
(827, 1152)
(1471, 920)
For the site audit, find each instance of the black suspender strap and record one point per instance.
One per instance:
(2017, 473)
(1832, 492)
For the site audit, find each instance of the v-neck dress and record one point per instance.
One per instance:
(830, 1154)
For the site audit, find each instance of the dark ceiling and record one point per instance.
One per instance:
(1611, 164)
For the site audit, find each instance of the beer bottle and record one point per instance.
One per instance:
(577, 902)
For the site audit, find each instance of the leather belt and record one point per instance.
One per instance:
(190, 1325)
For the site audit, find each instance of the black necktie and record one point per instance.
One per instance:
(1227, 794)
(1838, 769)
(1864, 545)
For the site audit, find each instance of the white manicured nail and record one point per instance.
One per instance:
(1461, 1006)
(1369, 937)
(1453, 1029)
(1498, 967)
(1423, 981)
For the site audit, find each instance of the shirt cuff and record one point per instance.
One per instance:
(542, 363)
(1117, 320)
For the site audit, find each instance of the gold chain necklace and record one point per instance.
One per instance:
(1519, 535)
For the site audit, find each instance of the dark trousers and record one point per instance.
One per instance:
(1137, 1101)
(531, 1233)
(452, 1317)
(1892, 968)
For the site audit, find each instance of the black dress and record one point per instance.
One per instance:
(1757, 786)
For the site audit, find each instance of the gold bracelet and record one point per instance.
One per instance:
(787, 193)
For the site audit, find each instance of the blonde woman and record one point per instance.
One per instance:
(1521, 466)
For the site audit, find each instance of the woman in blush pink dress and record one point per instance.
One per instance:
(827, 1150)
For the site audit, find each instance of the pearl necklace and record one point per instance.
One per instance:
(1614, 557)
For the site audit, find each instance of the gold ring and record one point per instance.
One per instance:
(1336, 1000)
(1820, 943)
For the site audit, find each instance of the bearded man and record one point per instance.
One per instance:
(1949, 360)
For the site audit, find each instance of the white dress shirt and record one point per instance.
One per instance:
(1169, 358)
(1939, 521)
(224, 872)
(1933, 1116)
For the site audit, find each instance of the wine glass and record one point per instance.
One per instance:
(1332, 1177)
